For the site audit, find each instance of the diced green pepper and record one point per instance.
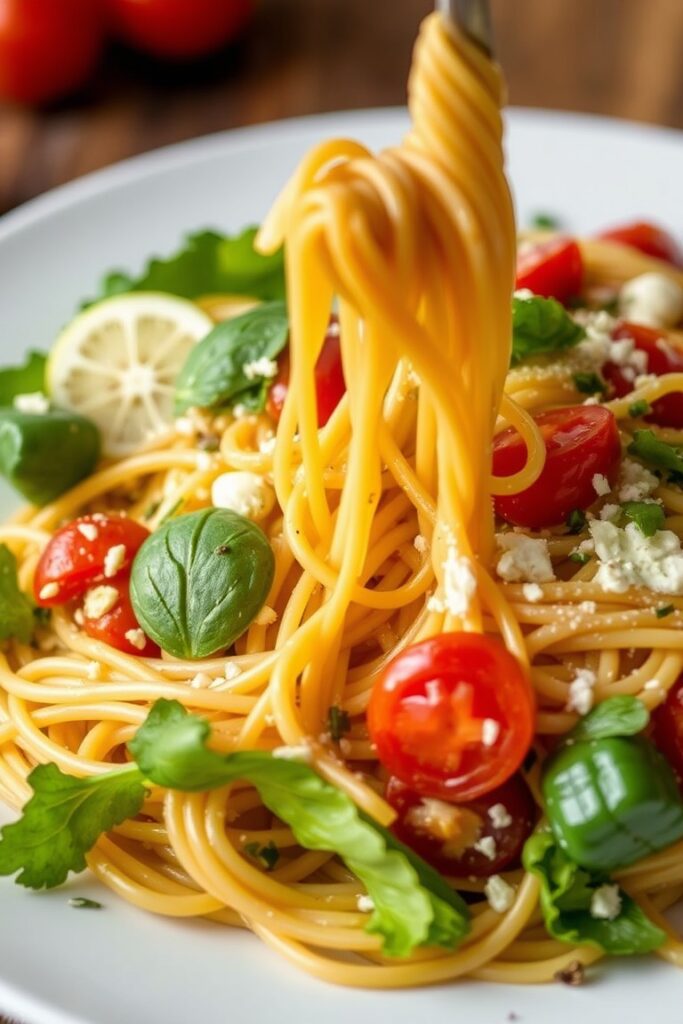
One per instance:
(612, 801)
(44, 454)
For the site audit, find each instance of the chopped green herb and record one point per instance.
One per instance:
(651, 449)
(151, 510)
(16, 612)
(647, 515)
(589, 384)
(576, 520)
(545, 221)
(667, 609)
(581, 557)
(82, 902)
(42, 616)
(541, 327)
(268, 854)
(639, 408)
(338, 722)
(23, 380)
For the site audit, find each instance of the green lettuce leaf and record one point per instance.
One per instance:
(16, 611)
(208, 263)
(566, 894)
(541, 327)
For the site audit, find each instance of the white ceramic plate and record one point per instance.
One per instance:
(62, 966)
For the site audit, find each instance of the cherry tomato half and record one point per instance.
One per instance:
(662, 357)
(178, 29)
(78, 556)
(453, 716)
(119, 628)
(580, 441)
(648, 238)
(553, 269)
(667, 727)
(48, 48)
(454, 854)
(329, 379)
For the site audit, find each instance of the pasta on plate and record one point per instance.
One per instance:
(356, 618)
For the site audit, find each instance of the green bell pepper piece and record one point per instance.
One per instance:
(43, 455)
(612, 801)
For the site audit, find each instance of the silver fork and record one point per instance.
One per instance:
(473, 17)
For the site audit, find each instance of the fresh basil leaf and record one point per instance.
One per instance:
(647, 515)
(655, 452)
(208, 263)
(566, 895)
(217, 371)
(16, 611)
(62, 821)
(413, 905)
(617, 716)
(639, 408)
(199, 580)
(23, 380)
(44, 454)
(576, 520)
(541, 327)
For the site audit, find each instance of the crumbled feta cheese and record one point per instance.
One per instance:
(581, 691)
(652, 299)
(365, 904)
(625, 354)
(263, 367)
(500, 816)
(524, 559)
(459, 584)
(114, 560)
(610, 512)
(606, 903)
(635, 481)
(652, 684)
(420, 544)
(630, 559)
(490, 731)
(298, 753)
(499, 893)
(595, 349)
(48, 591)
(35, 403)
(201, 681)
(601, 485)
(245, 493)
(266, 617)
(645, 379)
(231, 670)
(532, 592)
(434, 816)
(136, 638)
(487, 846)
(99, 601)
(88, 530)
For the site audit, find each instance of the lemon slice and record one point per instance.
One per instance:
(117, 362)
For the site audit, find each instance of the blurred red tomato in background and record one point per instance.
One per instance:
(48, 48)
(178, 29)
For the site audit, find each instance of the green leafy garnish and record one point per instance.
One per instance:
(217, 372)
(269, 854)
(655, 452)
(63, 820)
(647, 515)
(567, 892)
(83, 903)
(544, 222)
(23, 380)
(576, 520)
(44, 454)
(413, 905)
(639, 408)
(199, 581)
(338, 722)
(667, 609)
(16, 611)
(581, 557)
(541, 327)
(208, 263)
(617, 716)
(589, 383)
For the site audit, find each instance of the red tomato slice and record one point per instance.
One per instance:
(329, 379)
(178, 29)
(553, 269)
(580, 441)
(667, 727)
(119, 627)
(662, 357)
(648, 238)
(513, 803)
(453, 716)
(76, 557)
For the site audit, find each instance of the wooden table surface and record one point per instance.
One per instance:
(616, 57)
